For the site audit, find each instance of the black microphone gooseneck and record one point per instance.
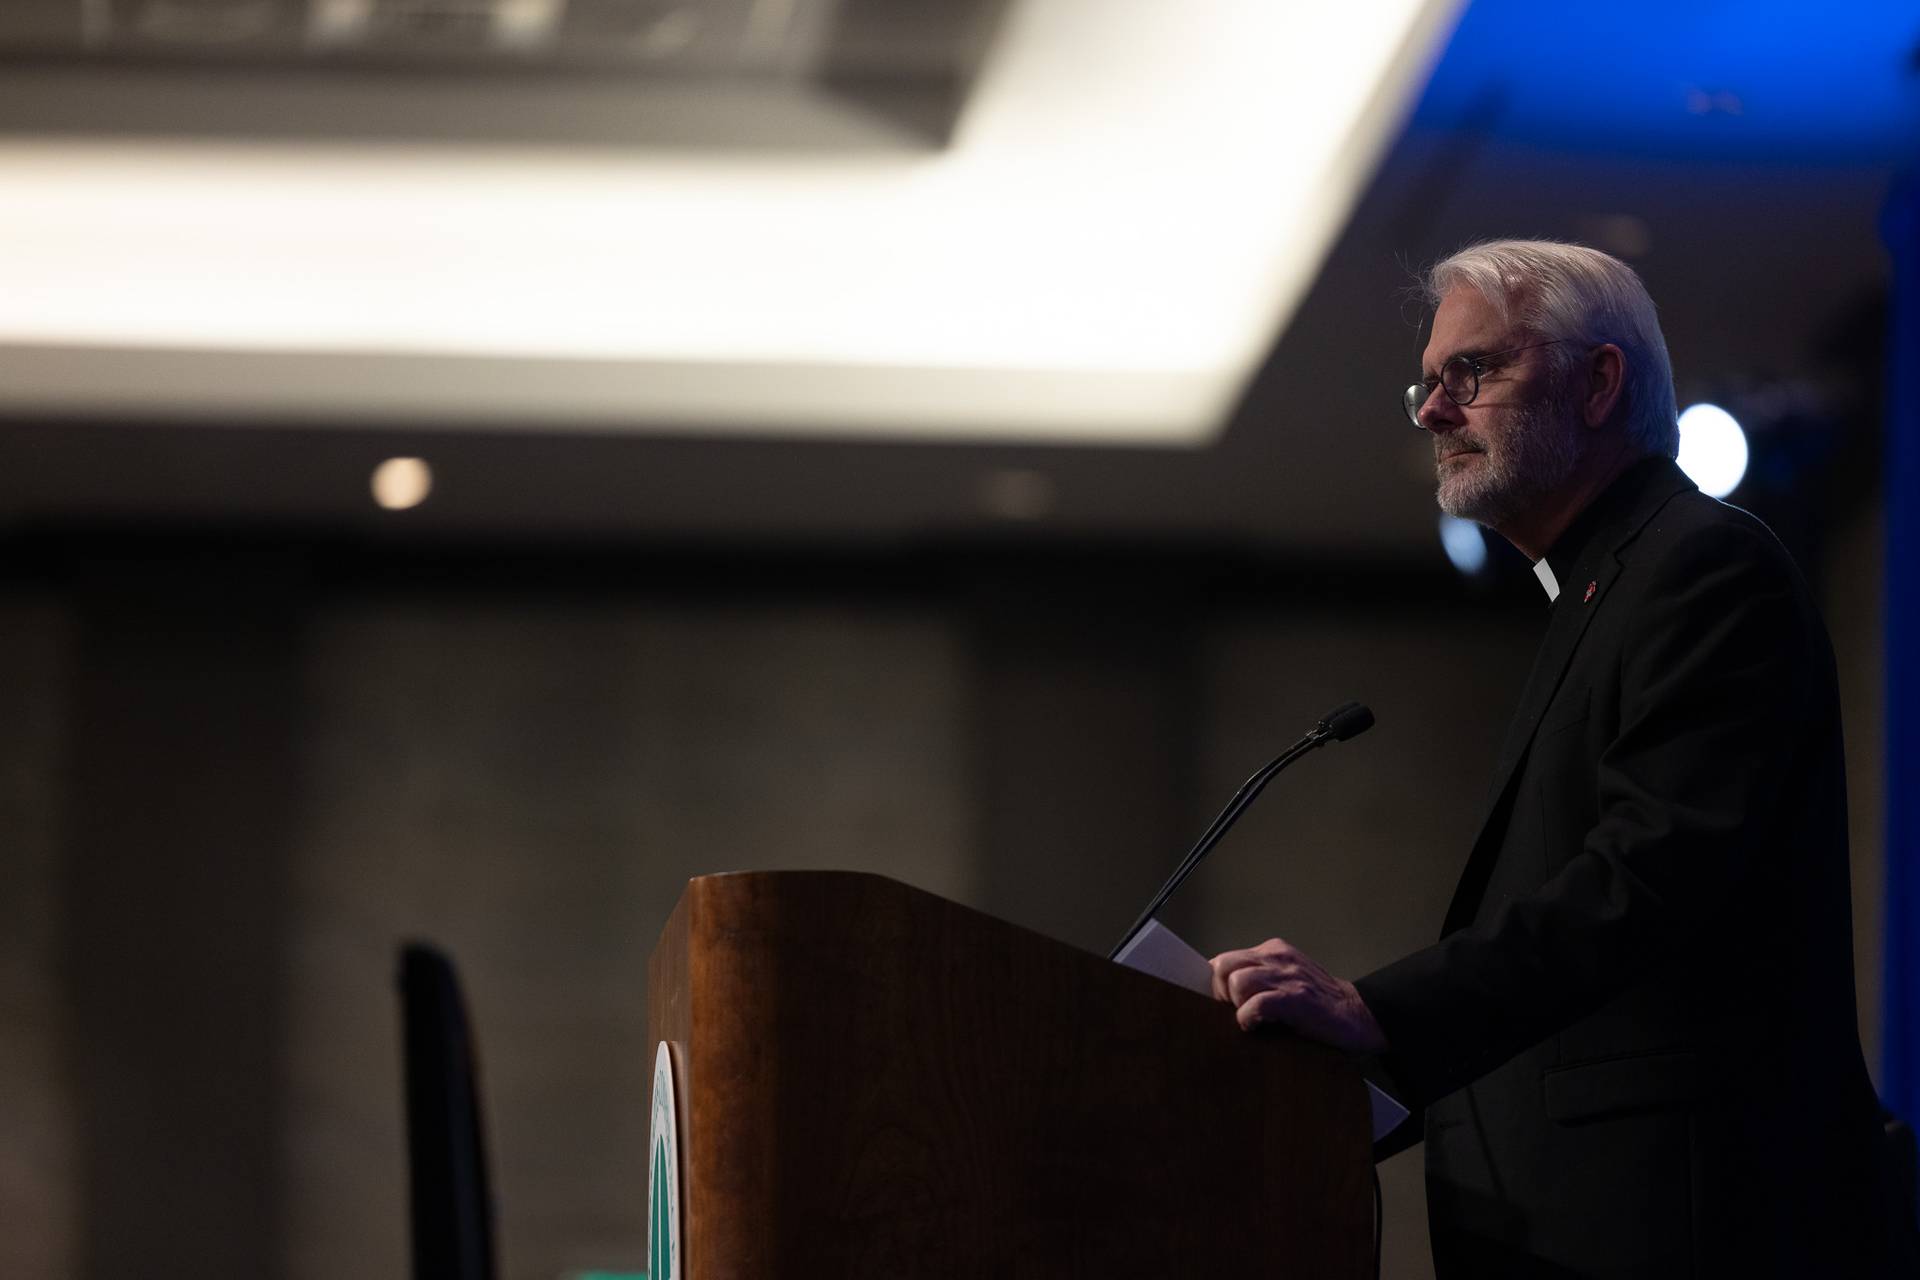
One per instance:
(1347, 720)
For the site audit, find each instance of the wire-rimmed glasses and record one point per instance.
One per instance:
(1460, 379)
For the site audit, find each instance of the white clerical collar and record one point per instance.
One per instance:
(1550, 584)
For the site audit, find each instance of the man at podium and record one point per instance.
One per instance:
(1635, 1041)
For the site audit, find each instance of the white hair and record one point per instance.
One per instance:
(1582, 297)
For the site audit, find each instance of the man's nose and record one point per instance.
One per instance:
(1438, 413)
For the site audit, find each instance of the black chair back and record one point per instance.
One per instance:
(451, 1207)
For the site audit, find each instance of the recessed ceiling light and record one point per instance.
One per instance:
(400, 483)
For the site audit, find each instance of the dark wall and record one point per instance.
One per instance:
(235, 772)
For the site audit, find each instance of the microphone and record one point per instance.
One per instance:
(1348, 720)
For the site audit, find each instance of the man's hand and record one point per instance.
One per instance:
(1275, 984)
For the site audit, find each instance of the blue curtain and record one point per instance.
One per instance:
(1900, 1011)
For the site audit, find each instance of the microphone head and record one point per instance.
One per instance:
(1347, 720)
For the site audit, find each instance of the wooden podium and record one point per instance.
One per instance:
(875, 1082)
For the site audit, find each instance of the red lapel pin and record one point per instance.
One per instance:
(1591, 588)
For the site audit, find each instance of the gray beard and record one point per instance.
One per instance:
(1536, 455)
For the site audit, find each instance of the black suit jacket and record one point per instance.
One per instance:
(1635, 1042)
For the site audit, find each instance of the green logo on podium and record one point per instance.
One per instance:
(663, 1182)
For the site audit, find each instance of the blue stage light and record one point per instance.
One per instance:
(1753, 81)
(1713, 449)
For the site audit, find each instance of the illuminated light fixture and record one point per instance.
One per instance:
(1464, 543)
(1132, 206)
(1713, 449)
(401, 483)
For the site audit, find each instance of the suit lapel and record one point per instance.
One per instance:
(1571, 615)
(1582, 596)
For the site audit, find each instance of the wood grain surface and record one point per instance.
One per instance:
(875, 1082)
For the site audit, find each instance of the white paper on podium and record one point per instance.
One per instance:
(1159, 951)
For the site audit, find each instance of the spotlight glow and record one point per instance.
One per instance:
(1465, 544)
(400, 483)
(1713, 449)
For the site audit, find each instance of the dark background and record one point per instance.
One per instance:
(254, 732)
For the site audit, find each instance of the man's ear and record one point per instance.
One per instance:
(1605, 381)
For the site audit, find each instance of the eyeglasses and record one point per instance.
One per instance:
(1460, 379)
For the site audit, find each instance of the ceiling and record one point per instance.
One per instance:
(807, 75)
(1084, 258)
(1715, 159)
